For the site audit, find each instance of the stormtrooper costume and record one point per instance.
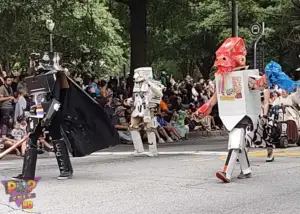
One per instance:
(147, 94)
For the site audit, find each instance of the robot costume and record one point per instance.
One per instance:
(75, 121)
(241, 89)
(147, 94)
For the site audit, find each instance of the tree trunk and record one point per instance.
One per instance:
(138, 29)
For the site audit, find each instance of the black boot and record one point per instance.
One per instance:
(29, 165)
(63, 159)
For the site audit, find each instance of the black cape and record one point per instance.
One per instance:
(86, 127)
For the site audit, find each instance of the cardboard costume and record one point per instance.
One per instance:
(75, 121)
(147, 94)
(238, 98)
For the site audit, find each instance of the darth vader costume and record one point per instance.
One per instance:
(76, 123)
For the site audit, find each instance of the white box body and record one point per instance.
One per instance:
(235, 99)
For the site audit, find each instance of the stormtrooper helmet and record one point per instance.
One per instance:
(141, 74)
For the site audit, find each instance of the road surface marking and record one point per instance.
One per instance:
(197, 159)
(6, 163)
(276, 154)
(208, 153)
(205, 153)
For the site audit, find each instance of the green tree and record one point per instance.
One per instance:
(86, 33)
(187, 33)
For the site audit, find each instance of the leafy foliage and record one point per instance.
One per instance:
(86, 32)
(183, 35)
(188, 32)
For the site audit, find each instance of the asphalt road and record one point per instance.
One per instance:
(118, 183)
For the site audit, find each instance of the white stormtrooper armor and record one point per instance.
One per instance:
(147, 94)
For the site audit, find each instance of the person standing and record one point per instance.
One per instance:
(164, 78)
(21, 83)
(21, 104)
(7, 99)
(94, 89)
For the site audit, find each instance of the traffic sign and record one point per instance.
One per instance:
(256, 29)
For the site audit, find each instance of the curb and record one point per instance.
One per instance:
(208, 134)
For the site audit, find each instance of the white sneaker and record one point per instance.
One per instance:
(161, 140)
(150, 154)
(169, 140)
(64, 177)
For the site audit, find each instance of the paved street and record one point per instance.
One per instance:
(114, 182)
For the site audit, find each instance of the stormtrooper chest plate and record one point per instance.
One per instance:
(140, 87)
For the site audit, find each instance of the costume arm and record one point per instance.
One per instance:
(128, 101)
(257, 82)
(207, 107)
(155, 89)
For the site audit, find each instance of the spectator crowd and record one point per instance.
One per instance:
(176, 116)
(14, 101)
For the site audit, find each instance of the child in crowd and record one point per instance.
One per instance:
(178, 121)
(3, 132)
(43, 144)
(18, 133)
(168, 128)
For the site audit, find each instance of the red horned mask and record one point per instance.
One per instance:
(230, 55)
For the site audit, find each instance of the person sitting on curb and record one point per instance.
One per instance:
(120, 123)
(17, 134)
(168, 128)
(178, 121)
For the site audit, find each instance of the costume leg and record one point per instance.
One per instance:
(244, 164)
(151, 128)
(225, 175)
(137, 141)
(136, 136)
(152, 143)
(30, 157)
(63, 159)
(60, 149)
(151, 139)
(236, 147)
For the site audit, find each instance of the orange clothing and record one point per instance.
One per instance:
(163, 106)
(103, 92)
